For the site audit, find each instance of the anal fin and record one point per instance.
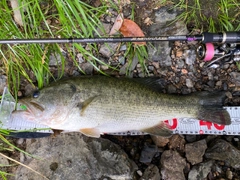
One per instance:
(91, 132)
(161, 129)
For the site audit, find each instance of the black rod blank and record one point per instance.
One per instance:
(100, 40)
(224, 37)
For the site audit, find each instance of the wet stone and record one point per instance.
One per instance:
(171, 161)
(195, 151)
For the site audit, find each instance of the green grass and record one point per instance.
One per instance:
(44, 19)
(210, 15)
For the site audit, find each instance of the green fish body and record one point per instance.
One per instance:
(99, 105)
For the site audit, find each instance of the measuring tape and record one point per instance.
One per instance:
(178, 126)
(194, 126)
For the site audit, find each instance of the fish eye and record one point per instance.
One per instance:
(36, 93)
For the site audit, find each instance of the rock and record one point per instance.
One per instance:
(74, 156)
(200, 171)
(160, 141)
(235, 78)
(87, 68)
(147, 153)
(229, 174)
(151, 173)
(80, 58)
(229, 95)
(55, 59)
(123, 48)
(108, 49)
(123, 69)
(177, 142)
(171, 162)
(189, 83)
(3, 83)
(191, 138)
(106, 29)
(180, 63)
(171, 89)
(121, 60)
(224, 151)
(133, 63)
(161, 52)
(29, 89)
(195, 151)
(3, 161)
(190, 56)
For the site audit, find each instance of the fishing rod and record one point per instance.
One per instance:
(213, 47)
(206, 37)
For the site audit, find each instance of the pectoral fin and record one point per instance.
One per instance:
(161, 129)
(92, 132)
(83, 106)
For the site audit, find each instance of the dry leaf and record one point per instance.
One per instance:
(117, 24)
(16, 12)
(131, 29)
(148, 21)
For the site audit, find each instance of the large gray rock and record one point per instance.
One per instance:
(73, 156)
(195, 151)
(163, 27)
(200, 171)
(172, 165)
(151, 173)
(224, 151)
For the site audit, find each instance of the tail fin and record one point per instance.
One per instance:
(215, 115)
(212, 107)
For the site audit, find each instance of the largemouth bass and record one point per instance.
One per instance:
(99, 105)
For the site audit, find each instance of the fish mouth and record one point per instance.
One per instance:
(32, 107)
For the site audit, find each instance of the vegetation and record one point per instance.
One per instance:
(209, 15)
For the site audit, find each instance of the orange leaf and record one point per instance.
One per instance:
(131, 29)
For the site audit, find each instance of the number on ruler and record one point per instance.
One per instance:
(209, 125)
(174, 123)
